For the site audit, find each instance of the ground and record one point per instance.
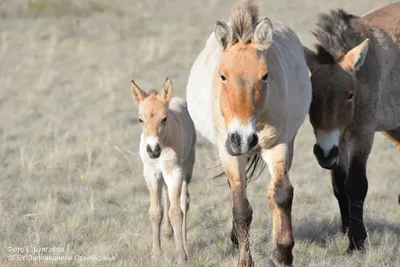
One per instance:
(69, 166)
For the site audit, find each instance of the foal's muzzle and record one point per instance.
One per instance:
(154, 153)
(238, 145)
(329, 161)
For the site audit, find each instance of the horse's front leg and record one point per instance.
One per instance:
(234, 168)
(280, 196)
(356, 189)
(339, 176)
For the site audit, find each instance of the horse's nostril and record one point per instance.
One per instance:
(148, 149)
(234, 139)
(157, 148)
(334, 153)
(253, 140)
(318, 151)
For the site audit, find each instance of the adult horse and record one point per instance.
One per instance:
(248, 93)
(355, 75)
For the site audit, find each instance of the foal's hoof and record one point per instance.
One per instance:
(269, 263)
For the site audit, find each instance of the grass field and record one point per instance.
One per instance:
(70, 175)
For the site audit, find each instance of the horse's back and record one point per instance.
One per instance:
(178, 107)
(199, 88)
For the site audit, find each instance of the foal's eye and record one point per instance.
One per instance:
(140, 120)
(265, 77)
(350, 97)
(223, 78)
(164, 120)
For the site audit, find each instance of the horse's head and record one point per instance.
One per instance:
(243, 79)
(334, 88)
(153, 113)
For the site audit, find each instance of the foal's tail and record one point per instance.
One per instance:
(255, 165)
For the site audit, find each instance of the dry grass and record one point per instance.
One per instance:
(70, 174)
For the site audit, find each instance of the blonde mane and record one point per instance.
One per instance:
(243, 20)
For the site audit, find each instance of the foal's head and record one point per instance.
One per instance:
(334, 88)
(153, 113)
(243, 78)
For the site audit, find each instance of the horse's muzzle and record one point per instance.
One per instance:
(237, 145)
(154, 153)
(329, 161)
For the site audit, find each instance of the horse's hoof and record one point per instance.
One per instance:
(358, 246)
(269, 263)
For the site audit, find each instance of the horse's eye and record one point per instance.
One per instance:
(265, 77)
(140, 120)
(223, 78)
(350, 97)
(164, 120)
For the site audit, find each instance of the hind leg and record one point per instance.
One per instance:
(185, 196)
(166, 224)
(394, 135)
(185, 202)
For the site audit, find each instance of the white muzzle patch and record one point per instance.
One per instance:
(327, 140)
(152, 142)
(244, 129)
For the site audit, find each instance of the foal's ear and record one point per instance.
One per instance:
(138, 94)
(166, 91)
(311, 59)
(355, 58)
(224, 34)
(263, 34)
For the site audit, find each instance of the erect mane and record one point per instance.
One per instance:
(243, 20)
(335, 36)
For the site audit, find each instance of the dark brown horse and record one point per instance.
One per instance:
(355, 75)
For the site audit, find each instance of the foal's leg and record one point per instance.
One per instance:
(166, 224)
(185, 201)
(357, 187)
(154, 184)
(234, 168)
(185, 196)
(339, 175)
(174, 179)
(280, 196)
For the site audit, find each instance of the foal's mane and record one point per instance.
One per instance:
(335, 36)
(243, 20)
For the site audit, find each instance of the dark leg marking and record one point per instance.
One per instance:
(338, 176)
(356, 189)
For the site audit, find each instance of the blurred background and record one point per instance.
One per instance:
(70, 175)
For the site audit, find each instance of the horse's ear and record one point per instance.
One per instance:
(263, 34)
(355, 58)
(166, 91)
(137, 94)
(311, 59)
(224, 34)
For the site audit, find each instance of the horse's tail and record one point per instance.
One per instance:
(255, 165)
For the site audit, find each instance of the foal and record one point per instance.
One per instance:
(167, 151)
